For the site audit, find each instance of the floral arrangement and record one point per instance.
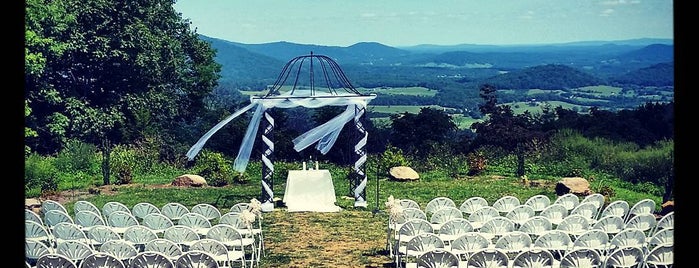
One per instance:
(394, 208)
(248, 218)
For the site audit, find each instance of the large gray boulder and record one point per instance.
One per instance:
(576, 185)
(403, 173)
(189, 180)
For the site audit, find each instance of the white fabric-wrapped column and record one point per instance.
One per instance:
(359, 175)
(267, 196)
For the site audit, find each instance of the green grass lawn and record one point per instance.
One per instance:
(353, 237)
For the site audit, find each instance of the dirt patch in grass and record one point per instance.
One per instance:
(74, 195)
(350, 238)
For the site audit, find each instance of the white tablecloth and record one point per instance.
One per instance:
(310, 190)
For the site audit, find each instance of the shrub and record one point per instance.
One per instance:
(148, 153)
(78, 156)
(393, 157)
(40, 172)
(121, 164)
(477, 162)
(653, 164)
(216, 169)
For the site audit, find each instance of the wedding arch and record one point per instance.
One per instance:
(307, 88)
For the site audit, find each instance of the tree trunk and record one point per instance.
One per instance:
(520, 164)
(669, 185)
(106, 152)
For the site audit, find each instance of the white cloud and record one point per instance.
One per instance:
(607, 12)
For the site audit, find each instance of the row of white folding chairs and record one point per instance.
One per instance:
(534, 228)
(590, 207)
(154, 223)
(515, 242)
(660, 256)
(524, 217)
(172, 210)
(539, 203)
(175, 240)
(160, 253)
(195, 258)
(537, 226)
(89, 217)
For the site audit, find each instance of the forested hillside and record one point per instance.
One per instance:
(549, 77)
(658, 75)
(561, 70)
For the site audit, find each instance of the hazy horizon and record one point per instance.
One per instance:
(444, 22)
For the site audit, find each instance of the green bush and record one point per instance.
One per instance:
(121, 164)
(216, 169)
(393, 157)
(78, 156)
(653, 164)
(442, 158)
(40, 173)
(477, 162)
(148, 153)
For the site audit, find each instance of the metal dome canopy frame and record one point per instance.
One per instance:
(296, 64)
(323, 136)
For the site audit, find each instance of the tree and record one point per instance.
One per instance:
(519, 134)
(419, 133)
(107, 72)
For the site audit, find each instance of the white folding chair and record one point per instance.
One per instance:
(506, 204)
(174, 211)
(113, 206)
(513, 243)
(624, 257)
(521, 214)
(538, 202)
(534, 258)
(467, 244)
(660, 256)
(472, 204)
(168, 248)
(568, 200)
(54, 260)
(618, 208)
(157, 222)
(140, 210)
(151, 259)
(489, 258)
(644, 206)
(209, 212)
(438, 203)
(101, 260)
(581, 258)
(196, 258)
(84, 205)
(438, 258)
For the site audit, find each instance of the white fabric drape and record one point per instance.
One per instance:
(324, 135)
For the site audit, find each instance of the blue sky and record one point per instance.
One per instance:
(441, 22)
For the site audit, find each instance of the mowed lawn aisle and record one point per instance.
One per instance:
(349, 238)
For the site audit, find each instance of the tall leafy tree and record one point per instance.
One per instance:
(519, 134)
(110, 72)
(421, 133)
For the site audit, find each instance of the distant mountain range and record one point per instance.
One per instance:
(256, 65)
